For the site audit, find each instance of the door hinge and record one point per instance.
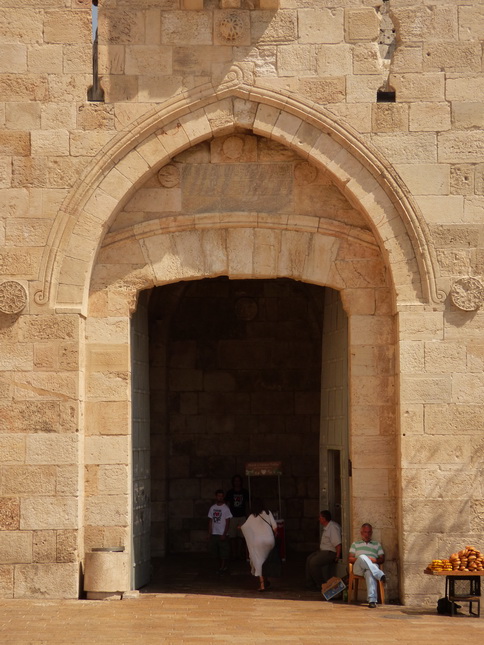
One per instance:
(350, 468)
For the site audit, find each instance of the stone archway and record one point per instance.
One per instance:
(361, 174)
(92, 269)
(140, 252)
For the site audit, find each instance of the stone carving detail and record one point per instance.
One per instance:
(231, 28)
(169, 176)
(13, 297)
(467, 294)
(305, 173)
(233, 147)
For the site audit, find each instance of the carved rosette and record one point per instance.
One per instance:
(231, 28)
(13, 297)
(467, 294)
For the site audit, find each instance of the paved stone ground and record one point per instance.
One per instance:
(188, 604)
(188, 619)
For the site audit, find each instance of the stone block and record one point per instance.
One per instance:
(471, 22)
(47, 580)
(452, 57)
(44, 59)
(427, 23)
(426, 389)
(67, 27)
(431, 516)
(52, 449)
(44, 546)
(25, 87)
(107, 450)
(194, 5)
(361, 24)
(27, 232)
(113, 479)
(77, 59)
(280, 28)
(425, 179)
(148, 60)
(6, 581)
(442, 210)
(182, 28)
(14, 142)
(324, 90)
(320, 26)
(25, 480)
(467, 388)
(414, 326)
(428, 117)
(461, 147)
(12, 449)
(367, 59)
(23, 115)
(389, 117)
(296, 60)
(411, 357)
(13, 58)
(334, 60)
(50, 143)
(107, 358)
(468, 115)
(66, 546)
(371, 330)
(412, 418)
(463, 88)
(407, 58)
(38, 513)
(16, 357)
(419, 87)
(363, 88)
(454, 261)
(15, 547)
(9, 512)
(107, 510)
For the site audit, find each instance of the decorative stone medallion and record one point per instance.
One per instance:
(169, 176)
(13, 297)
(233, 147)
(467, 294)
(232, 28)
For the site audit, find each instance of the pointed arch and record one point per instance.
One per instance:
(361, 173)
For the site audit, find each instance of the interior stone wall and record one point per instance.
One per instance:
(243, 374)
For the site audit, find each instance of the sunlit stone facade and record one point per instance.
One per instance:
(337, 143)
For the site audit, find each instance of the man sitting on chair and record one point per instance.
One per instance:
(320, 564)
(365, 555)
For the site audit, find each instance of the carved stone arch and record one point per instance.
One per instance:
(361, 173)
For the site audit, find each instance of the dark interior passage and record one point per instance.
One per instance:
(235, 377)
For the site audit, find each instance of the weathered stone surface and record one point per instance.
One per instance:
(9, 513)
(48, 513)
(51, 580)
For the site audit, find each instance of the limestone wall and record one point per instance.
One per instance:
(303, 73)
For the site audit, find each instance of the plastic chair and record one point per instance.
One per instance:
(353, 586)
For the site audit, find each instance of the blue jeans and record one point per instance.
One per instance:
(371, 572)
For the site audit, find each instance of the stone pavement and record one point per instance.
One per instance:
(189, 619)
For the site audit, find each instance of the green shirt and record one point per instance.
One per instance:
(373, 549)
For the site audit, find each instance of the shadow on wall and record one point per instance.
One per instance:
(157, 51)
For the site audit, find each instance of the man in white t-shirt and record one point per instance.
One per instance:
(218, 526)
(320, 565)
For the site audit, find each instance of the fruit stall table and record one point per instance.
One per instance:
(461, 586)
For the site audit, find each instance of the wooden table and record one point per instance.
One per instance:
(474, 595)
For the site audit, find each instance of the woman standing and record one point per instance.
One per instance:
(259, 531)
